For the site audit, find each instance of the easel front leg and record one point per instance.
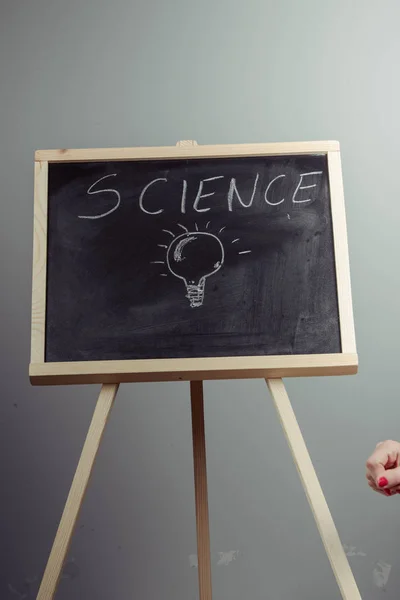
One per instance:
(201, 493)
(314, 493)
(77, 492)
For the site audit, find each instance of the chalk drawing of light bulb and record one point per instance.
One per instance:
(193, 257)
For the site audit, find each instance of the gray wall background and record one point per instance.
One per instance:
(98, 73)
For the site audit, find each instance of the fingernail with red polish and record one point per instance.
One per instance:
(387, 492)
(382, 482)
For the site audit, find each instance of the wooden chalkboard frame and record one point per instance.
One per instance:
(190, 369)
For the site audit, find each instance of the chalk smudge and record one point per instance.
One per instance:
(71, 570)
(352, 551)
(193, 562)
(381, 574)
(21, 595)
(26, 593)
(225, 558)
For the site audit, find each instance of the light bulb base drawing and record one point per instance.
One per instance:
(195, 293)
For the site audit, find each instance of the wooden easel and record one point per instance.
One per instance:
(308, 476)
(309, 479)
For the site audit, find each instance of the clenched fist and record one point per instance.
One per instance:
(383, 470)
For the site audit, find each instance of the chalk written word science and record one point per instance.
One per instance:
(306, 181)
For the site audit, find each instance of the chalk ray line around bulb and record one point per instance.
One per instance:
(183, 227)
(170, 232)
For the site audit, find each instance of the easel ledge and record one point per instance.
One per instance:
(189, 369)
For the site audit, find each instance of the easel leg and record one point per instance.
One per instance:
(201, 495)
(77, 492)
(314, 493)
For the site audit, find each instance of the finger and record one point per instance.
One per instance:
(393, 449)
(385, 456)
(391, 479)
(385, 492)
(375, 489)
(393, 461)
(375, 467)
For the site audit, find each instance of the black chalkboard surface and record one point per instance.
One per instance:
(190, 257)
(167, 259)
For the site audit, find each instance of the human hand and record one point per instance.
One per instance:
(383, 470)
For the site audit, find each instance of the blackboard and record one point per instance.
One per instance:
(238, 272)
(190, 257)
